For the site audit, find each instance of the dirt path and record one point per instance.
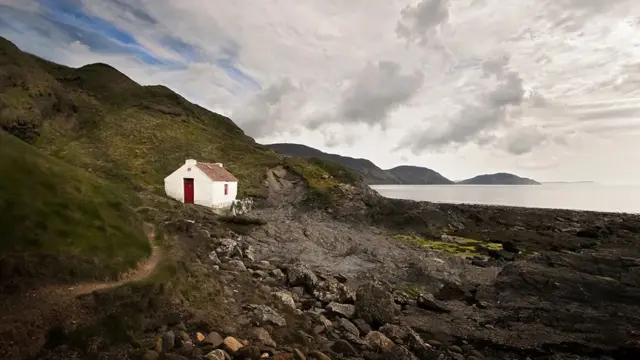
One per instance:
(26, 318)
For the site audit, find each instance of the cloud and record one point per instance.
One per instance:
(475, 121)
(419, 22)
(376, 91)
(462, 86)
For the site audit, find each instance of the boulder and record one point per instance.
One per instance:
(344, 310)
(374, 304)
(378, 342)
(300, 275)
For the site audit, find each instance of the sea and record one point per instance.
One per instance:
(575, 196)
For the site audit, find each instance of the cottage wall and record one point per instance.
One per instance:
(220, 200)
(202, 189)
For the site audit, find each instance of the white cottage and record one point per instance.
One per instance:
(206, 184)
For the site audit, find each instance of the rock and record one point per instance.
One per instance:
(377, 341)
(400, 352)
(319, 319)
(183, 339)
(428, 302)
(298, 355)
(283, 356)
(228, 248)
(214, 339)
(263, 336)
(300, 275)
(511, 247)
(217, 354)
(237, 265)
(232, 345)
(277, 273)
(248, 353)
(158, 345)
(317, 355)
(476, 354)
(343, 347)
(502, 254)
(249, 253)
(456, 356)
(344, 310)
(396, 333)
(168, 341)
(455, 349)
(150, 355)
(374, 304)
(331, 290)
(418, 346)
(362, 326)
(264, 315)
(341, 278)
(401, 298)
(349, 327)
(213, 256)
(286, 298)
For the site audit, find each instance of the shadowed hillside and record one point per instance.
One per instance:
(499, 179)
(65, 222)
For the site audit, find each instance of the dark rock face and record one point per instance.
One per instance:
(374, 304)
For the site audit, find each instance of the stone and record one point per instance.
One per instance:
(341, 278)
(349, 327)
(455, 349)
(200, 336)
(377, 341)
(477, 354)
(264, 315)
(277, 273)
(228, 248)
(168, 341)
(429, 302)
(298, 355)
(344, 310)
(283, 356)
(248, 353)
(150, 355)
(300, 275)
(286, 298)
(249, 253)
(343, 347)
(217, 354)
(400, 352)
(374, 304)
(361, 325)
(456, 356)
(317, 355)
(331, 290)
(396, 333)
(232, 345)
(237, 265)
(214, 339)
(261, 335)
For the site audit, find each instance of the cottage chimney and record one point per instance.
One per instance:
(218, 164)
(190, 162)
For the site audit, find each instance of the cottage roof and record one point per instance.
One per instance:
(216, 172)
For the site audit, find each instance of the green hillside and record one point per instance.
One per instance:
(54, 211)
(96, 118)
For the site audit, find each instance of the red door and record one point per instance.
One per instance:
(226, 189)
(188, 191)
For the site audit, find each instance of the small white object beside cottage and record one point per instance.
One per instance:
(206, 184)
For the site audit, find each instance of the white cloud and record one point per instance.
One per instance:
(544, 89)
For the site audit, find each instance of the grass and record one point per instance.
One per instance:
(461, 246)
(50, 207)
(322, 176)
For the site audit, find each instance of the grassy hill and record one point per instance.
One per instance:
(370, 172)
(92, 141)
(96, 118)
(67, 221)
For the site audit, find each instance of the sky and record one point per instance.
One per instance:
(547, 89)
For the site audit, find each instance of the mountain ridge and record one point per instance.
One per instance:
(371, 173)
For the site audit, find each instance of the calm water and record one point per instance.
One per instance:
(585, 196)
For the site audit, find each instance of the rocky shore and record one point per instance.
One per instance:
(376, 278)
